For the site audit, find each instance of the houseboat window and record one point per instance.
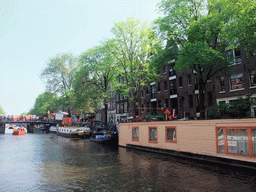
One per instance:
(135, 133)
(220, 140)
(254, 141)
(153, 134)
(170, 134)
(237, 140)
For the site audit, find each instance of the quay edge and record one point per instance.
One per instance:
(194, 139)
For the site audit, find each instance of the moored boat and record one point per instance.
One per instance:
(102, 135)
(53, 129)
(74, 132)
(19, 131)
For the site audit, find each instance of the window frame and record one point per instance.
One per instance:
(149, 128)
(230, 84)
(225, 140)
(170, 127)
(232, 58)
(138, 134)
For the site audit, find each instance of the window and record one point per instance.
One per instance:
(135, 133)
(171, 71)
(234, 56)
(159, 87)
(220, 141)
(237, 141)
(165, 85)
(222, 84)
(252, 79)
(190, 100)
(125, 107)
(173, 87)
(117, 108)
(153, 89)
(152, 134)
(189, 80)
(170, 134)
(180, 82)
(147, 90)
(236, 81)
(121, 107)
(232, 140)
(254, 141)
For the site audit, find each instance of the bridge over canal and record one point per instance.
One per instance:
(28, 124)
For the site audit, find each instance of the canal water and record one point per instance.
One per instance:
(47, 162)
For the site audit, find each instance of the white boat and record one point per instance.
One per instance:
(74, 132)
(53, 129)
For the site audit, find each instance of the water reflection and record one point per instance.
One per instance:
(46, 162)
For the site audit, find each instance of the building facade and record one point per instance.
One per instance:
(178, 91)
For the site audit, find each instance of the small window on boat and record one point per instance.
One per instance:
(135, 133)
(153, 134)
(170, 134)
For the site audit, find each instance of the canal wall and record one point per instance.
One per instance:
(195, 139)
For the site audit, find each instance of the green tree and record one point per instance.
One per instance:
(25, 113)
(1, 110)
(45, 102)
(59, 75)
(132, 47)
(87, 96)
(100, 64)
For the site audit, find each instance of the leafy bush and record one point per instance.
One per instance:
(240, 108)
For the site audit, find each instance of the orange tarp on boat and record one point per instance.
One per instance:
(67, 121)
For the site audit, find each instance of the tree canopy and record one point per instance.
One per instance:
(59, 73)
(102, 68)
(1, 110)
(132, 47)
(45, 102)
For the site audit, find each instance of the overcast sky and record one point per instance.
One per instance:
(33, 31)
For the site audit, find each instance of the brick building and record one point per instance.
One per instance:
(178, 91)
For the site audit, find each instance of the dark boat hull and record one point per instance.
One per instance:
(113, 139)
(74, 135)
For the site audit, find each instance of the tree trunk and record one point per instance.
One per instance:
(105, 102)
(106, 114)
(201, 98)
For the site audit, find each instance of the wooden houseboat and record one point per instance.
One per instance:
(229, 141)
